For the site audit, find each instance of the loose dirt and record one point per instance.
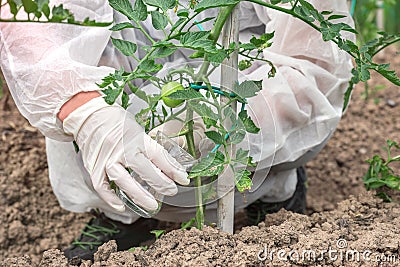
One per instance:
(33, 226)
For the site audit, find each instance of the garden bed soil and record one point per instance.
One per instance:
(33, 226)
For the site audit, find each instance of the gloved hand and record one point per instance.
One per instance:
(173, 127)
(110, 140)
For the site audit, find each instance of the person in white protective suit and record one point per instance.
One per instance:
(52, 71)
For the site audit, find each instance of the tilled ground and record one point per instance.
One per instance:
(32, 222)
(359, 232)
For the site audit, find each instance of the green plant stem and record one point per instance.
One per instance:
(214, 35)
(256, 58)
(284, 10)
(197, 180)
(140, 27)
(98, 24)
(294, 14)
(386, 45)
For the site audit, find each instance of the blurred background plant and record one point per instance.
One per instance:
(382, 173)
(372, 16)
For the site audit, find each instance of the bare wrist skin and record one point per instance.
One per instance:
(75, 102)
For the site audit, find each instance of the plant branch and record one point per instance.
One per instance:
(140, 27)
(294, 14)
(214, 35)
(98, 24)
(386, 45)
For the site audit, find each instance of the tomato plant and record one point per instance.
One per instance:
(188, 89)
(381, 174)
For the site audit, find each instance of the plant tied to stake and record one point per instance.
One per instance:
(188, 89)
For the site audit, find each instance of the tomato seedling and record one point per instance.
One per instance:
(176, 21)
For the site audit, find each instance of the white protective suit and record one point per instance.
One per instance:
(297, 110)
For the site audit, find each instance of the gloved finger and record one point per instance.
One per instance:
(102, 187)
(164, 161)
(149, 172)
(131, 187)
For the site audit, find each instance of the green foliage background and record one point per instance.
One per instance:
(365, 17)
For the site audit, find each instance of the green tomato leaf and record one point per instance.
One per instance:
(139, 13)
(207, 4)
(190, 37)
(391, 75)
(248, 122)
(332, 17)
(46, 10)
(178, 23)
(121, 26)
(242, 180)
(140, 10)
(275, 2)
(163, 4)
(127, 48)
(158, 20)
(247, 46)
(29, 6)
(111, 95)
(198, 41)
(243, 158)
(197, 54)
(162, 52)
(203, 110)
(237, 136)
(241, 155)
(13, 7)
(263, 41)
(244, 64)
(163, 44)
(246, 89)
(158, 233)
(188, 224)
(124, 7)
(187, 94)
(215, 137)
(125, 100)
(183, 13)
(149, 66)
(211, 165)
(364, 72)
(325, 12)
(139, 93)
(59, 13)
(217, 58)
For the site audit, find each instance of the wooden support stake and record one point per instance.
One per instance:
(229, 76)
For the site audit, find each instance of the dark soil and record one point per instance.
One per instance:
(33, 224)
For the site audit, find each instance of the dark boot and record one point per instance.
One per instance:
(257, 210)
(101, 229)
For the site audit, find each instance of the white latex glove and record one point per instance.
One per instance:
(110, 140)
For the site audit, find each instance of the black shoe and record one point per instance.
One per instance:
(257, 210)
(101, 229)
